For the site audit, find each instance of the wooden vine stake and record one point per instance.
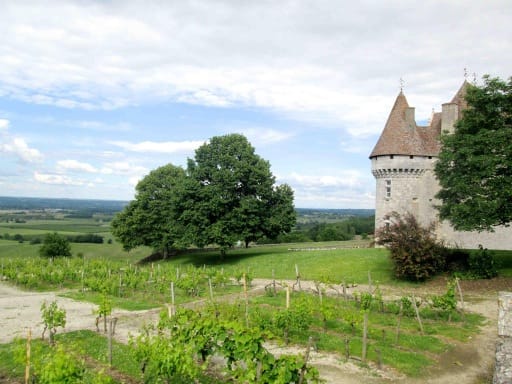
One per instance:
(274, 281)
(365, 337)
(172, 308)
(461, 297)
(306, 358)
(110, 333)
(27, 364)
(211, 289)
(287, 297)
(399, 320)
(246, 296)
(417, 314)
(370, 282)
(297, 277)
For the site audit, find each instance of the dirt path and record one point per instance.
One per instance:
(465, 363)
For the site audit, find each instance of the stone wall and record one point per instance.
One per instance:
(503, 369)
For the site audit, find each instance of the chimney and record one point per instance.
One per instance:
(449, 116)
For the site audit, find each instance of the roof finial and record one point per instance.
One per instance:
(401, 84)
(474, 78)
(465, 73)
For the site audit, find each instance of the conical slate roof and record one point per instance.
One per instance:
(401, 136)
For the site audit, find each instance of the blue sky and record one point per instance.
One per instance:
(94, 95)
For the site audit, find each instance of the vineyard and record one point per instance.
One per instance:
(215, 328)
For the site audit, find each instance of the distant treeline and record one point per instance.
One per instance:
(34, 203)
(38, 239)
(347, 229)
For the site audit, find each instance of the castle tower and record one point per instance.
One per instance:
(402, 164)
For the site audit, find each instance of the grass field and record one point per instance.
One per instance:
(339, 261)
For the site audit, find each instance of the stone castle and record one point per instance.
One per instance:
(403, 165)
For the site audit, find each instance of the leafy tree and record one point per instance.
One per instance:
(226, 194)
(475, 163)
(415, 252)
(152, 219)
(234, 195)
(55, 245)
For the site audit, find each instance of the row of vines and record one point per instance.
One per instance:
(118, 279)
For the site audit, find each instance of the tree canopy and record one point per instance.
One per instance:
(152, 219)
(227, 194)
(55, 245)
(475, 162)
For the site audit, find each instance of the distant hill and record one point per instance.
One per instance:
(34, 203)
(110, 206)
(350, 212)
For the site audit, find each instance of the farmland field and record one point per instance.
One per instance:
(340, 281)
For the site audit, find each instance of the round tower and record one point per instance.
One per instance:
(402, 164)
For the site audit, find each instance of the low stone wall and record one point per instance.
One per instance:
(503, 369)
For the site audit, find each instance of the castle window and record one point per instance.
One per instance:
(391, 156)
(388, 188)
(430, 157)
(411, 157)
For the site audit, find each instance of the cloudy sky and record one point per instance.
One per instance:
(95, 94)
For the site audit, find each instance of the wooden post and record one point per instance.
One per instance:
(274, 281)
(365, 337)
(379, 358)
(211, 289)
(306, 358)
(173, 308)
(400, 313)
(370, 282)
(320, 294)
(297, 276)
(110, 342)
(347, 348)
(345, 290)
(417, 314)
(246, 302)
(27, 364)
(287, 297)
(461, 297)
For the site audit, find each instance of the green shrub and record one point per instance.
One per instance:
(482, 264)
(55, 245)
(415, 251)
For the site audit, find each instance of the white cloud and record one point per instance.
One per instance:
(309, 60)
(123, 168)
(56, 179)
(74, 165)
(17, 146)
(265, 135)
(4, 124)
(159, 147)
(346, 179)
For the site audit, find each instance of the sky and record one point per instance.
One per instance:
(96, 94)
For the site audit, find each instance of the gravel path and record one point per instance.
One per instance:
(465, 363)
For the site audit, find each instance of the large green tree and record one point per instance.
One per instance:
(236, 198)
(153, 217)
(227, 194)
(475, 163)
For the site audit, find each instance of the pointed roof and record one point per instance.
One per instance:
(400, 136)
(403, 137)
(460, 97)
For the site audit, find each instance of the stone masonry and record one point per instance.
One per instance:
(503, 369)
(403, 161)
